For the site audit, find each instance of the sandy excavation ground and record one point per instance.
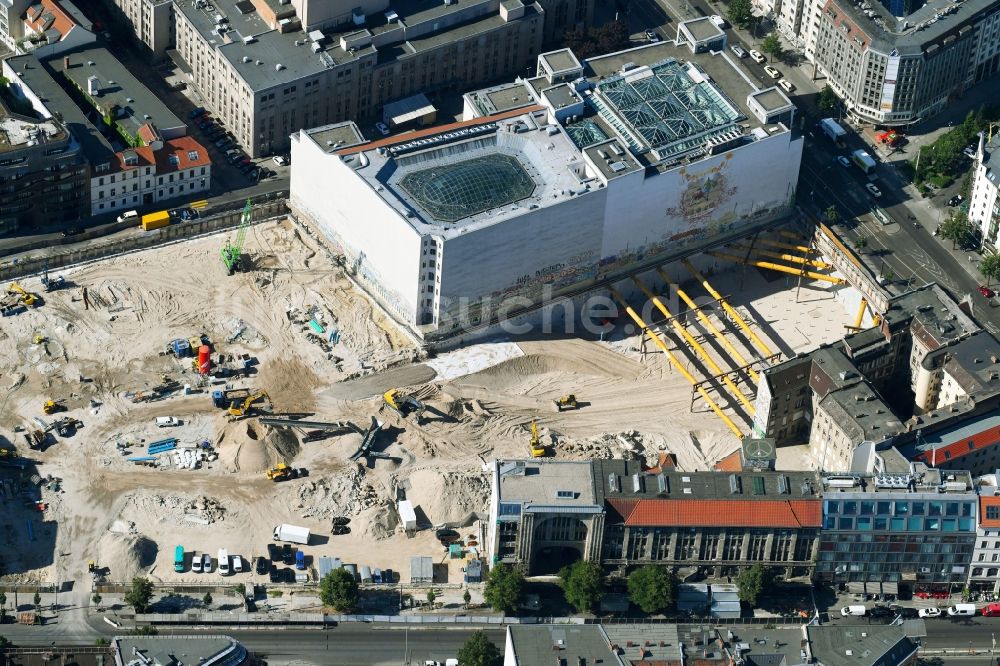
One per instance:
(129, 518)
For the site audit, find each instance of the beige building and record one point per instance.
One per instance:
(152, 21)
(264, 75)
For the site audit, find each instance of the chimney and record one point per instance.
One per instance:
(65, 63)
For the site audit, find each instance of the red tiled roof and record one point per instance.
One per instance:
(958, 449)
(438, 129)
(666, 460)
(718, 513)
(62, 22)
(148, 133)
(180, 147)
(985, 501)
(731, 463)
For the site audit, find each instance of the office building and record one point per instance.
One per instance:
(897, 62)
(547, 513)
(265, 73)
(43, 27)
(916, 528)
(43, 174)
(984, 198)
(653, 156)
(152, 22)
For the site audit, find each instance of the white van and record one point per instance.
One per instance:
(853, 611)
(962, 610)
(223, 562)
(237, 564)
(129, 216)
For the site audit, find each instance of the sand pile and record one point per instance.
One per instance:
(126, 555)
(344, 494)
(447, 496)
(143, 509)
(376, 523)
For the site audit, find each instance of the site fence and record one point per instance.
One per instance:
(31, 588)
(211, 222)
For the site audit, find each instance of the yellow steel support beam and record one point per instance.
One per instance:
(707, 323)
(815, 263)
(728, 308)
(673, 360)
(786, 246)
(861, 313)
(779, 267)
(712, 365)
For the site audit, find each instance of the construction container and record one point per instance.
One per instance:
(407, 515)
(155, 220)
(204, 359)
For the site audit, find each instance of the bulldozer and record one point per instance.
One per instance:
(537, 448)
(282, 472)
(52, 406)
(402, 404)
(566, 402)
(236, 409)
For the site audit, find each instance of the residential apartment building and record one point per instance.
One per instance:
(264, 76)
(984, 573)
(44, 27)
(917, 528)
(984, 200)
(43, 174)
(896, 62)
(545, 514)
(152, 21)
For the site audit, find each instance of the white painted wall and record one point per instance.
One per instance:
(377, 240)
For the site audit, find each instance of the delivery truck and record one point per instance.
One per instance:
(863, 161)
(292, 533)
(833, 130)
(156, 220)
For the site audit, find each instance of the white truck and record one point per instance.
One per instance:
(292, 533)
(832, 129)
(863, 161)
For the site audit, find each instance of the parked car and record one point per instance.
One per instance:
(289, 574)
(955, 200)
(757, 56)
(880, 612)
(969, 151)
(905, 612)
(340, 529)
(651, 36)
(280, 160)
(274, 552)
(377, 576)
(189, 214)
(986, 291)
(844, 161)
(205, 124)
(300, 560)
(196, 562)
(718, 20)
(237, 564)
(261, 567)
(167, 421)
(382, 128)
(447, 536)
(786, 85)
(873, 189)
(71, 231)
(738, 51)
(206, 563)
(341, 520)
(287, 554)
(991, 610)
(853, 611)
(929, 612)
(387, 576)
(275, 575)
(196, 112)
(772, 72)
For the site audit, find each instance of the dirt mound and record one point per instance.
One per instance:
(447, 496)
(377, 523)
(126, 555)
(281, 443)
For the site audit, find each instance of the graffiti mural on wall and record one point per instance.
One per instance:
(706, 192)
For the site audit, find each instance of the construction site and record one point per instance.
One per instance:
(201, 393)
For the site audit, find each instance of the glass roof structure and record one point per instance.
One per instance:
(585, 133)
(451, 192)
(664, 108)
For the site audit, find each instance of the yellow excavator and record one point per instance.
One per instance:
(566, 402)
(281, 472)
(52, 406)
(27, 297)
(236, 409)
(402, 404)
(537, 448)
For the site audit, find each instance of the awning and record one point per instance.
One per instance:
(407, 110)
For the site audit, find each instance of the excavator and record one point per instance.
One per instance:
(282, 472)
(52, 406)
(566, 402)
(537, 448)
(236, 409)
(27, 298)
(402, 404)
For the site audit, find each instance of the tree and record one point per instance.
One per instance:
(827, 100)
(860, 243)
(38, 602)
(772, 46)
(740, 13)
(832, 214)
(652, 588)
(431, 596)
(990, 267)
(96, 599)
(140, 594)
(5, 642)
(752, 581)
(339, 590)
(955, 228)
(503, 588)
(3, 600)
(467, 598)
(207, 599)
(479, 650)
(582, 585)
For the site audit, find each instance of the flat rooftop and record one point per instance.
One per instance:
(771, 99)
(181, 649)
(506, 97)
(561, 95)
(567, 643)
(117, 86)
(859, 645)
(563, 60)
(934, 317)
(612, 159)
(17, 131)
(702, 29)
(538, 482)
(933, 21)
(336, 136)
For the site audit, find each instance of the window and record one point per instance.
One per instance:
(993, 512)
(174, 160)
(193, 155)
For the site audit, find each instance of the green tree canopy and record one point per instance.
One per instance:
(956, 228)
(582, 585)
(479, 650)
(832, 214)
(740, 13)
(339, 590)
(652, 588)
(503, 588)
(752, 581)
(772, 46)
(827, 100)
(139, 594)
(990, 267)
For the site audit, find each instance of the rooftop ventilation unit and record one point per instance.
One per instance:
(841, 481)
(278, 67)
